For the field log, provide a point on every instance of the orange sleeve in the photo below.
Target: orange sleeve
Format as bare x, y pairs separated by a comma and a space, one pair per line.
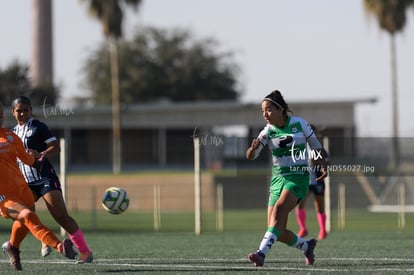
21, 152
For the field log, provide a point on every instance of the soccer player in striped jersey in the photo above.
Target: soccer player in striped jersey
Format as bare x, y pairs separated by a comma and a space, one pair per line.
37, 137
16, 199
288, 138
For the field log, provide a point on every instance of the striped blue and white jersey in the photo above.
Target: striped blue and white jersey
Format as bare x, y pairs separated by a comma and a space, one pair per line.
35, 135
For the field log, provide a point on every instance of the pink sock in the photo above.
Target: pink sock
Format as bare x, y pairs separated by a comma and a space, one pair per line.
301, 217
79, 241
322, 221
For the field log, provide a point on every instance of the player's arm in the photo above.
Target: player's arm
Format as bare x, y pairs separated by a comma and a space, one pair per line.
320, 154
52, 145
52, 150
319, 159
322, 164
24, 156
257, 145
251, 151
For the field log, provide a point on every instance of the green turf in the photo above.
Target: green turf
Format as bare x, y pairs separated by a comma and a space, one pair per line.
125, 244
225, 253
234, 221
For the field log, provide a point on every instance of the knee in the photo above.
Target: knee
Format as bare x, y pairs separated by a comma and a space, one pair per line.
24, 214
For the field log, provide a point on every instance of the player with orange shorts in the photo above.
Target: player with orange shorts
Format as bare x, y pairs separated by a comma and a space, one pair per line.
16, 199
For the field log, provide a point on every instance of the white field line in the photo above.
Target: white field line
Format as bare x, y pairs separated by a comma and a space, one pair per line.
229, 265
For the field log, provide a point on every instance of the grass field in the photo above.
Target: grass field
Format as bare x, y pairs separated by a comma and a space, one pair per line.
371, 244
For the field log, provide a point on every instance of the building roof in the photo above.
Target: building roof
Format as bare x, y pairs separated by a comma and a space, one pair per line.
329, 113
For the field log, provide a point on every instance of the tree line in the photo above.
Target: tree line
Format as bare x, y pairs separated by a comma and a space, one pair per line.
155, 64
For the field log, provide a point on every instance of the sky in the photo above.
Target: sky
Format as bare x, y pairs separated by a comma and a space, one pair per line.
320, 50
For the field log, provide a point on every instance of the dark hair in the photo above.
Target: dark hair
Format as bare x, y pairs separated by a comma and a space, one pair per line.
23, 100
276, 98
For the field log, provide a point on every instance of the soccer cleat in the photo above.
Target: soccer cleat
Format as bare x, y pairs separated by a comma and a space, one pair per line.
303, 233
309, 256
86, 258
67, 249
256, 258
14, 255
322, 235
46, 250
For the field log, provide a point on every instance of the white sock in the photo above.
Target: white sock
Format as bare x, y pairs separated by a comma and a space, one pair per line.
301, 244
267, 242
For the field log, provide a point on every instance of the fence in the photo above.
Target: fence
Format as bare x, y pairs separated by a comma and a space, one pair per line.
165, 198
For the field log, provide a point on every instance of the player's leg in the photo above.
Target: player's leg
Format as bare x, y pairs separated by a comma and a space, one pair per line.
44, 234
19, 230
18, 211
305, 246
268, 240
276, 231
18, 233
319, 204
40, 231
12, 247
295, 188
270, 237
57, 208
284, 205
36, 189
285, 194
300, 212
277, 212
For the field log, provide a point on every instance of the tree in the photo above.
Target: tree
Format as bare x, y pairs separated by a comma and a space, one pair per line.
15, 81
391, 16
160, 64
110, 15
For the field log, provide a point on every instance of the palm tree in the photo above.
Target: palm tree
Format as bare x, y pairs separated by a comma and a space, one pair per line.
110, 15
391, 16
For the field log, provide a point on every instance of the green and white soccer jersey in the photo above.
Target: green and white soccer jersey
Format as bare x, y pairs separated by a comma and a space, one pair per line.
291, 146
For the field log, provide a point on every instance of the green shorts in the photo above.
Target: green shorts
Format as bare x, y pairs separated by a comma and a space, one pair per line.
296, 184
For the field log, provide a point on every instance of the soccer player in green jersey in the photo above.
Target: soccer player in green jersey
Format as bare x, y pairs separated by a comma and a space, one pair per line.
292, 142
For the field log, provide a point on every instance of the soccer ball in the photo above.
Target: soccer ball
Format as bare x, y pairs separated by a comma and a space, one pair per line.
115, 200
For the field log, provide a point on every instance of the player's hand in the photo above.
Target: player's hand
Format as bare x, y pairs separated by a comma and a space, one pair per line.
250, 151
255, 143
324, 173
34, 153
38, 164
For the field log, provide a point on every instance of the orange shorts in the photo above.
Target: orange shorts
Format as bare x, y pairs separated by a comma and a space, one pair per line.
23, 196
